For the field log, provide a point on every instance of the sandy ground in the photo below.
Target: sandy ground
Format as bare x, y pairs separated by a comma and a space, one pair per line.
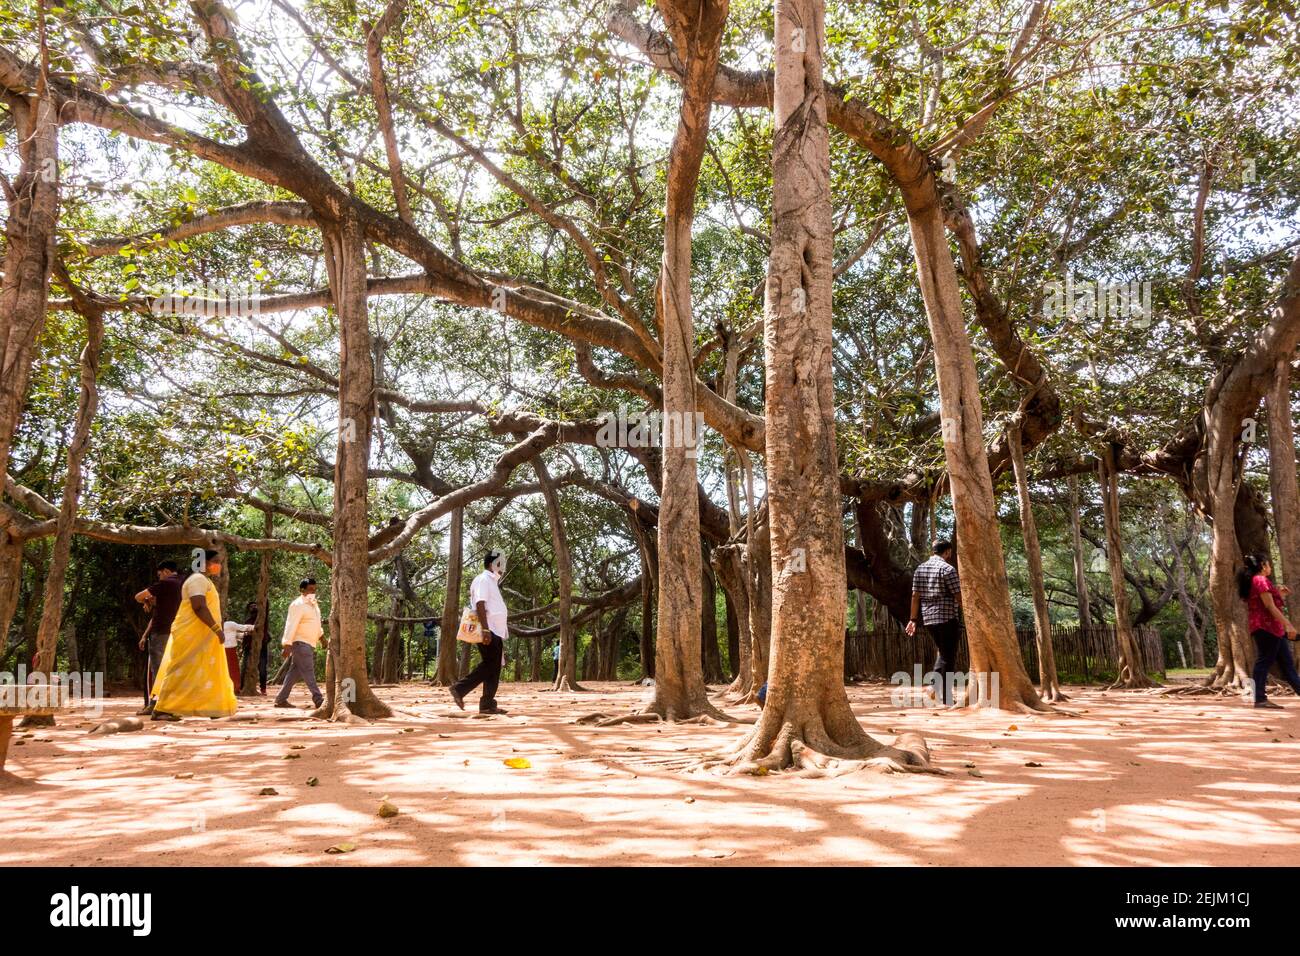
1132, 780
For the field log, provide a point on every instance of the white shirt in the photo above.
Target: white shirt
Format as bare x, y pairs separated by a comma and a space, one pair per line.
302, 623
484, 588
231, 631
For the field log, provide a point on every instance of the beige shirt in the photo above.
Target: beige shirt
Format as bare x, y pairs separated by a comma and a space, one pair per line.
302, 624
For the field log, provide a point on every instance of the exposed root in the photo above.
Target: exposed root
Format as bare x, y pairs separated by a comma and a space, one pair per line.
37, 720
605, 720
563, 685
343, 714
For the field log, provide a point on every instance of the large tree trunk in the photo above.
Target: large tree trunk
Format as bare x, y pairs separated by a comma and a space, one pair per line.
349, 692
1282, 476
756, 562
47, 635
986, 602
1132, 673
1048, 685
32, 220
806, 722
680, 693
567, 676
250, 685
728, 564
445, 676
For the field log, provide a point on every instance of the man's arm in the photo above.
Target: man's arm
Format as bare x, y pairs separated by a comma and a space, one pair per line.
481, 608
291, 623
915, 615
143, 596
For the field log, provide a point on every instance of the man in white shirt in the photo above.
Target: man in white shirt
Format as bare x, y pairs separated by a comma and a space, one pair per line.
485, 598
302, 632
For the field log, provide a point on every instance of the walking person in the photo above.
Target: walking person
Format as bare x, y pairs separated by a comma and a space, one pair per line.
192, 679
233, 631
1269, 627
936, 603
163, 599
302, 632
485, 598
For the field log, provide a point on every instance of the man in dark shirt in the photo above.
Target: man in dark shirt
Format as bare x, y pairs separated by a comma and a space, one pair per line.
165, 596
936, 603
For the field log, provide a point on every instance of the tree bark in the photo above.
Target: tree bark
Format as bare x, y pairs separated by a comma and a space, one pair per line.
1049, 687
349, 580
1282, 475
1132, 673
30, 230
807, 722
680, 691
1080, 560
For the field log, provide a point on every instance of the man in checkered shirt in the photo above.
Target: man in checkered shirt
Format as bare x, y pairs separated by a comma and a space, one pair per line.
936, 603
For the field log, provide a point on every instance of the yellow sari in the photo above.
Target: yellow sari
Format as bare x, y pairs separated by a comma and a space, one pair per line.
193, 679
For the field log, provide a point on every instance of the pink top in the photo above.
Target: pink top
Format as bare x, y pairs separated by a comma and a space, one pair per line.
1258, 615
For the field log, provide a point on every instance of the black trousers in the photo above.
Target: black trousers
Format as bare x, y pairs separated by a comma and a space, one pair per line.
1273, 648
488, 673
946, 637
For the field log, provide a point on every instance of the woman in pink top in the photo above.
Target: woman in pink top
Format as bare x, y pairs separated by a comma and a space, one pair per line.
1268, 625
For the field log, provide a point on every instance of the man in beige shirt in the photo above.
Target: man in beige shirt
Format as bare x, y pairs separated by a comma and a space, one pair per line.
302, 632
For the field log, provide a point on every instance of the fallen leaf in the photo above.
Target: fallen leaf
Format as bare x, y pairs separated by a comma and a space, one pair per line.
1033, 763
716, 854
518, 763
292, 756
975, 773
184, 776
387, 810
268, 792
690, 799
341, 848
968, 765
298, 747
1013, 727
312, 781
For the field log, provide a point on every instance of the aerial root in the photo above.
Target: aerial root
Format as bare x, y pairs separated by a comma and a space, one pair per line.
605, 720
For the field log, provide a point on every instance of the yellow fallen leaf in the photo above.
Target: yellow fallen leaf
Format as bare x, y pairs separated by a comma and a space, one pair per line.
1013, 727
518, 763
341, 848
387, 810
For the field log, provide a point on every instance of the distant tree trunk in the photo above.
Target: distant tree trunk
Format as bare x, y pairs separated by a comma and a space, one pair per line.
649, 575
728, 564
807, 721
251, 682
1192, 610
1048, 685
1080, 559
534, 659
446, 674
1282, 476
1132, 673
47, 635
74, 650
733, 635
710, 656
377, 659
567, 678
349, 693
757, 563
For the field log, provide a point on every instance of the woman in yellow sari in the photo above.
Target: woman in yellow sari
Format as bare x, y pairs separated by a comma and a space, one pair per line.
193, 679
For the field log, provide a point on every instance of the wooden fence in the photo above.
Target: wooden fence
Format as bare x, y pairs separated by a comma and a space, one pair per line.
1082, 653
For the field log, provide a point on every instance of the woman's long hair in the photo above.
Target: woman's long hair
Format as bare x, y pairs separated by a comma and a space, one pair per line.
1254, 563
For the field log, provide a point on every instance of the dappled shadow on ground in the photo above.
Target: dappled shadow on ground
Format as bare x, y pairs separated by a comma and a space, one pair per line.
1133, 779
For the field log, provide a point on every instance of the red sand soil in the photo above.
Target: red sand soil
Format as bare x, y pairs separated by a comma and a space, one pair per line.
1134, 779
